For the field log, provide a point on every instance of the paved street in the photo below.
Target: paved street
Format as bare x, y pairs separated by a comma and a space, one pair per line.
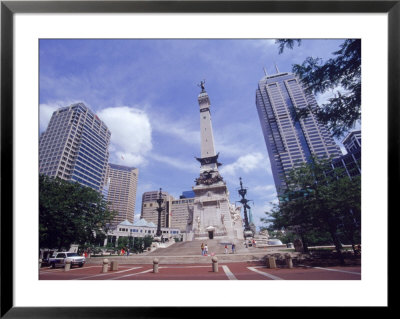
226, 271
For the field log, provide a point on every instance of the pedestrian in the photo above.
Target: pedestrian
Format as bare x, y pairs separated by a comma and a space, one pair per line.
205, 249
254, 243
202, 249
127, 252
226, 249
233, 248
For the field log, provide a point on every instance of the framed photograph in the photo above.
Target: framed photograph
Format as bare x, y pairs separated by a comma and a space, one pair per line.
36, 35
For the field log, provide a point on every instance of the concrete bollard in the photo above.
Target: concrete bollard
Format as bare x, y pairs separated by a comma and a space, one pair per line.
105, 265
271, 262
289, 261
155, 265
67, 266
114, 265
214, 264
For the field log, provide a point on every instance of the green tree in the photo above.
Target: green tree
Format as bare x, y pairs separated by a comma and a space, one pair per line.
344, 72
138, 244
123, 242
319, 200
70, 213
147, 240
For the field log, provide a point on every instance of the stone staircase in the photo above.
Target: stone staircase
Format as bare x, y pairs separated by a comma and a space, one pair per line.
216, 246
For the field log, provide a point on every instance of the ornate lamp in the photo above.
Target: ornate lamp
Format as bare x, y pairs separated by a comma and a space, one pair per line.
242, 192
159, 210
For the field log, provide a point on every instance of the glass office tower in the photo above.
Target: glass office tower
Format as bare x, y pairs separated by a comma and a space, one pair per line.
290, 141
75, 147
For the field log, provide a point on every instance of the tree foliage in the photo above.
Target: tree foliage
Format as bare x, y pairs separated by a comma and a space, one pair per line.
319, 200
70, 213
343, 72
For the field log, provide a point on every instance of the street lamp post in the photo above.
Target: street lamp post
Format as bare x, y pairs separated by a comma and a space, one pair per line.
242, 192
159, 210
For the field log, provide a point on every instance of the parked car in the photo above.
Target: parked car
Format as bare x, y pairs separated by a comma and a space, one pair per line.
58, 259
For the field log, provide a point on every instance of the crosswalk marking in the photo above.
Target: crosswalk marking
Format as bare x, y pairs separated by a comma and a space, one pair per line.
107, 273
228, 272
51, 270
337, 270
264, 274
135, 274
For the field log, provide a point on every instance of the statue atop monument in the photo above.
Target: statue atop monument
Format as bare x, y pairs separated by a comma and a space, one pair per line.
202, 86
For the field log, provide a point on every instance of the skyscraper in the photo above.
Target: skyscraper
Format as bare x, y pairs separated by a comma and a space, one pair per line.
290, 141
350, 162
75, 146
122, 191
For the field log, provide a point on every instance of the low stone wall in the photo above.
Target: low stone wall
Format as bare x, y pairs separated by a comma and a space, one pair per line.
222, 258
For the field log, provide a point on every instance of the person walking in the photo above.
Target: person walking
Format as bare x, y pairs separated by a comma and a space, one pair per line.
233, 248
202, 249
205, 249
226, 249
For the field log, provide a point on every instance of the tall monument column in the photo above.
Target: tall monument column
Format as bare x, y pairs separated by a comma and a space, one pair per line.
206, 133
214, 217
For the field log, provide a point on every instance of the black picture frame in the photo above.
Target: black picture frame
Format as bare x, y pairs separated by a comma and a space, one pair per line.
9, 8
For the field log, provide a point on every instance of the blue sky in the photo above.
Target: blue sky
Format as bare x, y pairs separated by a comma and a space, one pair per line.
146, 92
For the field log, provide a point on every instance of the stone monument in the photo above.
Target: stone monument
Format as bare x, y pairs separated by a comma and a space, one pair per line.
214, 217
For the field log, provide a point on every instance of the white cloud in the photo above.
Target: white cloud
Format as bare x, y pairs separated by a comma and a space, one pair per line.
322, 98
46, 111
181, 129
130, 134
262, 44
246, 164
175, 162
263, 189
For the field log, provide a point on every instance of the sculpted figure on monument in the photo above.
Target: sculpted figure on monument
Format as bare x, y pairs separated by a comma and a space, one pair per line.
207, 178
235, 213
190, 217
198, 222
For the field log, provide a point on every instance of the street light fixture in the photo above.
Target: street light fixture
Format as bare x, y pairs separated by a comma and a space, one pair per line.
159, 210
242, 192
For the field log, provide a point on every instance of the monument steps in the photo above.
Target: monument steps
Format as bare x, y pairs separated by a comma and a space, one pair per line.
193, 248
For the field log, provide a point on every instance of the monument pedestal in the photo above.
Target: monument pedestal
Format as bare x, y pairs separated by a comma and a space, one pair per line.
214, 217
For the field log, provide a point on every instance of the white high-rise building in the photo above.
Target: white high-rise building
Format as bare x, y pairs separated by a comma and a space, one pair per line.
122, 186
75, 147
